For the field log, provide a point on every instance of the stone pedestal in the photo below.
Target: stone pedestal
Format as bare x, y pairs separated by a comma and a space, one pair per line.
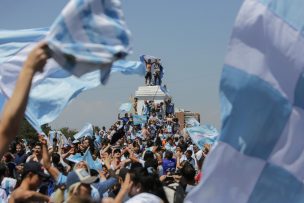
149, 93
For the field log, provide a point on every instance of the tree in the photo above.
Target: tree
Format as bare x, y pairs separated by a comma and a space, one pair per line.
68, 132
28, 132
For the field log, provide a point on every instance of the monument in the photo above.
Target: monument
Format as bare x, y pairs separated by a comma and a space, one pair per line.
154, 93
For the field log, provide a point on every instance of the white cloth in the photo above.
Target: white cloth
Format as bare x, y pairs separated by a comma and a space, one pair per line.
145, 198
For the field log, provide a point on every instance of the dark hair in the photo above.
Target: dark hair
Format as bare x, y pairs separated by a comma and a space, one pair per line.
149, 143
188, 172
116, 150
55, 158
151, 163
149, 183
189, 152
148, 155
3, 169
135, 165
38, 144
169, 154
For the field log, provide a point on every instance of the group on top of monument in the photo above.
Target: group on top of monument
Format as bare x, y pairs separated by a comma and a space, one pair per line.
153, 67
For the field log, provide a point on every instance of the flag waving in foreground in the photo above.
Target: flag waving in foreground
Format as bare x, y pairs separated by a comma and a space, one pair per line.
54, 89
259, 156
89, 35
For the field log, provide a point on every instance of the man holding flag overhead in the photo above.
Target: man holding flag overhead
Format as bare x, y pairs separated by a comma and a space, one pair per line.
14, 109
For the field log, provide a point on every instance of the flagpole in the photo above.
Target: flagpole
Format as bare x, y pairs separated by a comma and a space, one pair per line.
156, 92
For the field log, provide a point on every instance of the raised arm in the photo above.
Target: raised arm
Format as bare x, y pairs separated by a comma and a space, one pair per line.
14, 108
53, 171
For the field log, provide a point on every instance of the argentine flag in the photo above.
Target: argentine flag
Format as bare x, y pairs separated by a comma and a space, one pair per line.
259, 155
125, 108
86, 130
76, 48
202, 135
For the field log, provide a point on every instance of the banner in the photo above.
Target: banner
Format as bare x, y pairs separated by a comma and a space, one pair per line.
139, 119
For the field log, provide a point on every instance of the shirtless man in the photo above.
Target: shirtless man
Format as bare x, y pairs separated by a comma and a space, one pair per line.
148, 75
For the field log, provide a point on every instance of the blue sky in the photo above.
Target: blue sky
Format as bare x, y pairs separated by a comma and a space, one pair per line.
191, 37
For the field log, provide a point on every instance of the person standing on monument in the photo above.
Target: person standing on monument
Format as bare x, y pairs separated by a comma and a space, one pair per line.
157, 78
148, 75
135, 105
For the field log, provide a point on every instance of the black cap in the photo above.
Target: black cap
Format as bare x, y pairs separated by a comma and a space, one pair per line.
34, 167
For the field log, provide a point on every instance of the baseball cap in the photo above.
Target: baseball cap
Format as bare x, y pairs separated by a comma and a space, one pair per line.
34, 167
80, 175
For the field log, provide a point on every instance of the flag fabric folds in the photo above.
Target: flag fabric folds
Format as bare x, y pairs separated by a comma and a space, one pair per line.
202, 135
75, 158
125, 108
192, 122
139, 119
87, 130
53, 89
87, 157
259, 155
144, 58
89, 35
85, 39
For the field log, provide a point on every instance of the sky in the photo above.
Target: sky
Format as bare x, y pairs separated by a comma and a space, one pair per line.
190, 37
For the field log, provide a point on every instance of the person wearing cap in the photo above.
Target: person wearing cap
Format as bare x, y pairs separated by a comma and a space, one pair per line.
78, 183
14, 108
31, 179
97, 189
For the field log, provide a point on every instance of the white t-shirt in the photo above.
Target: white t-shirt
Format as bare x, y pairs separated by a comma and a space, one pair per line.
145, 198
3, 196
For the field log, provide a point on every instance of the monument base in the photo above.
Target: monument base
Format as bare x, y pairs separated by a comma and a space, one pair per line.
148, 93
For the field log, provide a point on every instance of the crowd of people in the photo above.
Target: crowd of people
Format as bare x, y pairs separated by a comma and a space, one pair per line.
154, 161
151, 162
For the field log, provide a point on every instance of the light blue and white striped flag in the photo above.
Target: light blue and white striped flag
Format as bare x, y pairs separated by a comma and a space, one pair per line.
200, 135
87, 157
86, 131
63, 139
54, 89
75, 158
145, 58
192, 122
89, 35
125, 108
139, 119
259, 156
